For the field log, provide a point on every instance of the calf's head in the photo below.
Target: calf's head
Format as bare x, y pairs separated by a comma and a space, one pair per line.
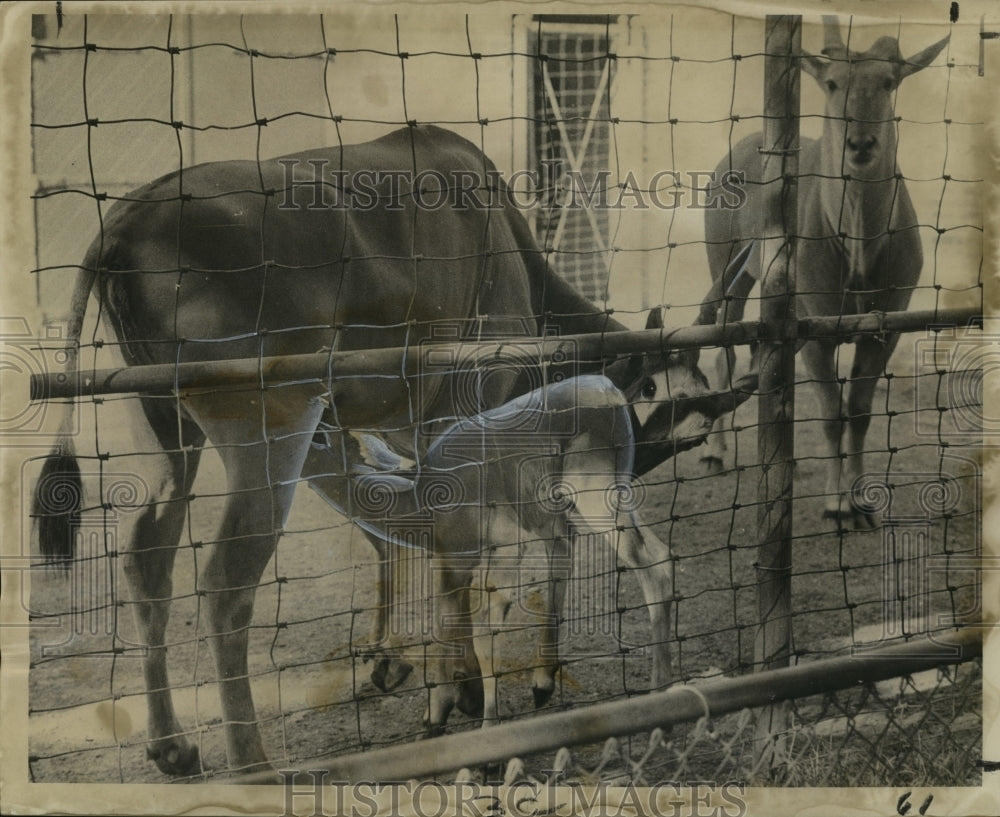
671, 405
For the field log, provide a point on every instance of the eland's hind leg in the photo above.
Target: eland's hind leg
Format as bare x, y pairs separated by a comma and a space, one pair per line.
263, 456
148, 562
390, 669
452, 669
543, 678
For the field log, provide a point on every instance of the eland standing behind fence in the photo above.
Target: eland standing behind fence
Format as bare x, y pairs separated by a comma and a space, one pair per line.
858, 247
222, 261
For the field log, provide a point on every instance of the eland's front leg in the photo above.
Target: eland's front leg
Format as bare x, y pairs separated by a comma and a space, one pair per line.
713, 457
452, 671
330, 468
489, 607
640, 549
725, 304
870, 358
820, 360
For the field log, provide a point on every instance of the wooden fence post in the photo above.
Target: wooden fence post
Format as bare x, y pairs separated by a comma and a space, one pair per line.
776, 358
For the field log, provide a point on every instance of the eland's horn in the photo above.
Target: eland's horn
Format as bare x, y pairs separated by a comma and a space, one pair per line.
832, 41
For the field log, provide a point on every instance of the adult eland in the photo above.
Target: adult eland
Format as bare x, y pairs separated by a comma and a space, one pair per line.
230, 260
858, 244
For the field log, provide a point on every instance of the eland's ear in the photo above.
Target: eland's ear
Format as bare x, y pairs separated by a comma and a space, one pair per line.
655, 319
833, 40
923, 59
738, 281
812, 65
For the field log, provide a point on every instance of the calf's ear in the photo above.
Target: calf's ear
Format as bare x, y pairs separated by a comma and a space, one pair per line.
655, 319
633, 371
689, 359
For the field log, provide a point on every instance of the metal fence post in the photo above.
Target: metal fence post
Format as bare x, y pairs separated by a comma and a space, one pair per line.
776, 358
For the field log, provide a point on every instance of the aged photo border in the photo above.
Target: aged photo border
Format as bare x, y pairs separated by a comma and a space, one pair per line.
17, 232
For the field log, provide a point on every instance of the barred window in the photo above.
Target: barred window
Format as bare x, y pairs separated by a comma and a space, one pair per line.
571, 144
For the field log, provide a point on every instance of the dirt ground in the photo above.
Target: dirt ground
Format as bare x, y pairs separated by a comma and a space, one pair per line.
313, 692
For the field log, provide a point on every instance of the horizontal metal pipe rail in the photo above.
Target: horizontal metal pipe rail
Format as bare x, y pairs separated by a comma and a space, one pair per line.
679, 704
321, 367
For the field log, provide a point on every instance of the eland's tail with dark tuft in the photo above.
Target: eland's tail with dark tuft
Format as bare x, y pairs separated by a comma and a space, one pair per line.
56, 505
58, 497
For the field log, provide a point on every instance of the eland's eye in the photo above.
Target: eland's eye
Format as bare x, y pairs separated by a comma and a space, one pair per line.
649, 389
831, 85
887, 84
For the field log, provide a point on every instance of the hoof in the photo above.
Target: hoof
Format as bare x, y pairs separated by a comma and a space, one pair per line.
177, 760
433, 730
471, 777
864, 519
854, 519
470, 695
542, 695
438, 709
711, 465
839, 518
434, 726
389, 673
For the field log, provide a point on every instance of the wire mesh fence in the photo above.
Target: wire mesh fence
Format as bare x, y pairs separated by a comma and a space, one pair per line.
859, 737
607, 141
